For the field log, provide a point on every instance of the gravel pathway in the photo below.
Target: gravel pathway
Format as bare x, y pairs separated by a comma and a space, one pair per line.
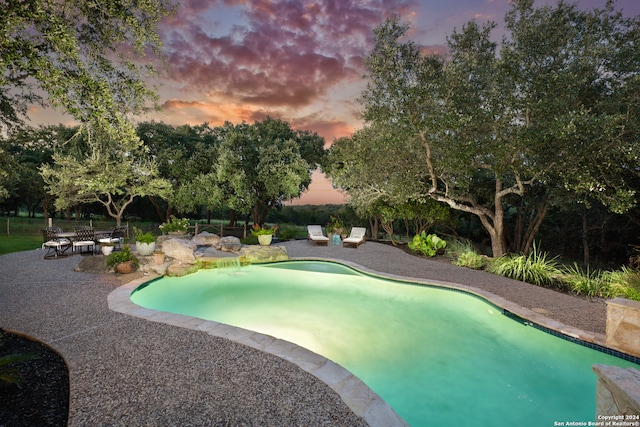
129, 371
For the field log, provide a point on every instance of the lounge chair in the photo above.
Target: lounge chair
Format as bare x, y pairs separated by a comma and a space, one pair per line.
356, 238
315, 235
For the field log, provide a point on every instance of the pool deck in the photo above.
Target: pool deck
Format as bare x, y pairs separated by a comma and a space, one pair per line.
149, 368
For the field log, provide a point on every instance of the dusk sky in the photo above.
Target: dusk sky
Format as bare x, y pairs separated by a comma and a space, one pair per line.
300, 61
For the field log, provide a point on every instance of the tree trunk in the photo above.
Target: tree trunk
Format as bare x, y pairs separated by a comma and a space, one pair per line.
536, 212
373, 223
163, 216
45, 210
535, 224
585, 240
233, 218
388, 227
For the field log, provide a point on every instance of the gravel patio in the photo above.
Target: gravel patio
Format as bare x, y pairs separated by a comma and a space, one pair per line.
129, 371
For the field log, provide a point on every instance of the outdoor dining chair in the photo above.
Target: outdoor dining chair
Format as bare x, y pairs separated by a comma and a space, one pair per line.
56, 246
117, 237
84, 239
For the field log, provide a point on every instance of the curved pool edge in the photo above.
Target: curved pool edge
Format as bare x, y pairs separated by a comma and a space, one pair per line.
503, 303
363, 401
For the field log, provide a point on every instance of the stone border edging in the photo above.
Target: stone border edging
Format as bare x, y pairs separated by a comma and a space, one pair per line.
363, 401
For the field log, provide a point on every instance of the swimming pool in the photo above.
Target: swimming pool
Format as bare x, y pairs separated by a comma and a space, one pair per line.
437, 356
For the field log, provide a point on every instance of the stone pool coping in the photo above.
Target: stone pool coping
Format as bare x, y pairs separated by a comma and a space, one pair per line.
363, 401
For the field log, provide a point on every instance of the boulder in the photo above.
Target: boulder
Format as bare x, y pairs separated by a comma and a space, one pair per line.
181, 250
229, 244
179, 269
206, 239
148, 265
256, 254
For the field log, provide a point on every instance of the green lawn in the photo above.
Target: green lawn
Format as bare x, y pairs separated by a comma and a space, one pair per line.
19, 242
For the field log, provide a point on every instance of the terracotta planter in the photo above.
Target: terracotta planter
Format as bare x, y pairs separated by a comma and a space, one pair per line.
125, 267
158, 258
145, 249
265, 239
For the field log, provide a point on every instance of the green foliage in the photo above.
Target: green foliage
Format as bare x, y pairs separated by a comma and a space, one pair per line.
478, 128
143, 237
174, 224
257, 230
291, 232
124, 255
9, 374
335, 225
535, 268
427, 244
623, 283
590, 283
84, 55
112, 173
262, 165
470, 260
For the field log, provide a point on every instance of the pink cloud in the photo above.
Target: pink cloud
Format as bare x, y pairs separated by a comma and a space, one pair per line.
282, 54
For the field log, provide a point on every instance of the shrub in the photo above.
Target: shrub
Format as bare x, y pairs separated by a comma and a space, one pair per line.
534, 268
124, 255
174, 225
258, 230
623, 283
470, 259
428, 244
143, 237
464, 254
288, 232
591, 283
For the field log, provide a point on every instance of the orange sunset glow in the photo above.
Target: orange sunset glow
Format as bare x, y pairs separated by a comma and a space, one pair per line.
299, 61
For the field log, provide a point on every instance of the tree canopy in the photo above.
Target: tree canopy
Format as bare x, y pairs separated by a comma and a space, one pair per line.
86, 57
260, 166
552, 107
103, 172
91, 59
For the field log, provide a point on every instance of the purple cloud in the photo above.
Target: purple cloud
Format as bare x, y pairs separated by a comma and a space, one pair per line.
280, 54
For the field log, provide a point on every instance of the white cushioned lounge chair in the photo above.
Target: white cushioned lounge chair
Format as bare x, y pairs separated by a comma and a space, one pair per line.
356, 238
315, 235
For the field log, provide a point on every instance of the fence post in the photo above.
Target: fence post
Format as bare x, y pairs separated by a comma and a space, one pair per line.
8, 228
196, 228
245, 231
221, 229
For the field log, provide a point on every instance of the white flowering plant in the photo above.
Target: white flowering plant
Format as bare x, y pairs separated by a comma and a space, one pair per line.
175, 224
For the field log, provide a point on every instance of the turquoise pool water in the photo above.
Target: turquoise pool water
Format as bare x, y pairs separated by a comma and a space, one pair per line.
438, 357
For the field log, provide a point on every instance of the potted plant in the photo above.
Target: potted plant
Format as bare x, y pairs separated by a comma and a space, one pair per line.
175, 226
145, 242
123, 262
106, 248
158, 257
264, 235
335, 227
